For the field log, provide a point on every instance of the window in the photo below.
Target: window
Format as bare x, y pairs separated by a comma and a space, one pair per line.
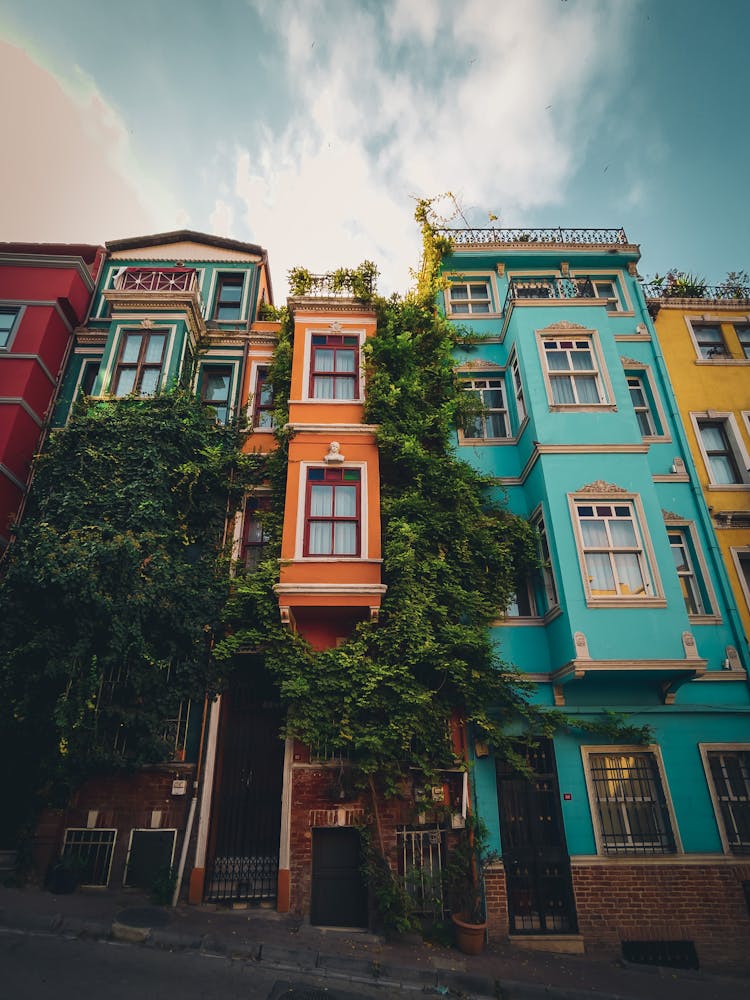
89, 371
255, 535
332, 512
493, 422
628, 803
523, 602
262, 400
720, 454
470, 297
709, 341
641, 406
92, 850
606, 288
683, 561
741, 559
613, 553
545, 558
229, 297
729, 771
743, 335
139, 367
334, 367
518, 390
216, 385
572, 371
8, 320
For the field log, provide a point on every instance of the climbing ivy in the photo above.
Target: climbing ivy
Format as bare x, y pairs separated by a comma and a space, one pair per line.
114, 587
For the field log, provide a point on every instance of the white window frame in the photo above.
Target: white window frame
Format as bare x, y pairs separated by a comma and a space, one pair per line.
705, 750
722, 321
299, 541
324, 331
744, 348
515, 375
623, 304
734, 442
17, 311
148, 829
739, 553
547, 571
654, 595
216, 362
598, 372
213, 291
471, 384
617, 750
472, 278
699, 572
92, 830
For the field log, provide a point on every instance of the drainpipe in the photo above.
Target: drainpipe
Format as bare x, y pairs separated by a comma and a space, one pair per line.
717, 558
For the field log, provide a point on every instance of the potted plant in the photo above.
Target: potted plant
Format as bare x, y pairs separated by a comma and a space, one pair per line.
463, 880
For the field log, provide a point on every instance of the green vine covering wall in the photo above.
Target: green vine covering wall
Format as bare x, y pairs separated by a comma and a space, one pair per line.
112, 591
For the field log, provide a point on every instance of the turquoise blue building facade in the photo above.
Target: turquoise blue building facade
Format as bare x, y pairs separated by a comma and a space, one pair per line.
616, 842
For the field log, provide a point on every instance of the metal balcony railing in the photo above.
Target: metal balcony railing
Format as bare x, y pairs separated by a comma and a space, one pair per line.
157, 279
729, 292
549, 288
576, 237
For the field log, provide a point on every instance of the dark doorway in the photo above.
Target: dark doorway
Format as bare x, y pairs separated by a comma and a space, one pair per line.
243, 861
537, 867
339, 893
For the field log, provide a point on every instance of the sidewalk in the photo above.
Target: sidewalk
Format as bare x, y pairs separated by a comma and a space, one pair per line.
282, 941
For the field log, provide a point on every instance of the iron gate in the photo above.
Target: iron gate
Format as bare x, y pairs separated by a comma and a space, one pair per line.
246, 823
537, 867
421, 853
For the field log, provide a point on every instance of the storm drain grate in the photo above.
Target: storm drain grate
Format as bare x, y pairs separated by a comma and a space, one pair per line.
675, 954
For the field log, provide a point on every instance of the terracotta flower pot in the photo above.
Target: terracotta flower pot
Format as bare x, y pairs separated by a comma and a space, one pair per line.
469, 937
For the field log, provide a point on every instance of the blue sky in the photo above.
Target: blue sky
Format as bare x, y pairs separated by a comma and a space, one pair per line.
309, 126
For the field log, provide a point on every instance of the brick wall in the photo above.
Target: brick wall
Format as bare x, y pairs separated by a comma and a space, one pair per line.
496, 902
703, 904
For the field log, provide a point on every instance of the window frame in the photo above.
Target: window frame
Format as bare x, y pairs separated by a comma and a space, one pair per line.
654, 594
710, 350
16, 312
331, 476
735, 448
259, 408
546, 571
740, 554
228, 370
468, 385
698, 568
739, 330
468, 278
307, 382
598, 372
140, 365
667, 808
229, 279
515, 376
259, 503
706, 750
93, 830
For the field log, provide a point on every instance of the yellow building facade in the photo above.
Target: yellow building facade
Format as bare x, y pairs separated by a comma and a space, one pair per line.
706, 345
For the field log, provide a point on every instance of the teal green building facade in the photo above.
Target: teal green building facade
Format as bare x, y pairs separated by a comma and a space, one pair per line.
615, 842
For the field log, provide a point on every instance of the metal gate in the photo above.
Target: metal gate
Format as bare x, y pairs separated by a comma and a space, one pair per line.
421, 852
537, 866
243, 860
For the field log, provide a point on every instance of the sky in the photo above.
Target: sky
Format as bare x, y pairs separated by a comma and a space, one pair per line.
311, 126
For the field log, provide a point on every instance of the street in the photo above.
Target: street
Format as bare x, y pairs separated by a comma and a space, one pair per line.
44, 967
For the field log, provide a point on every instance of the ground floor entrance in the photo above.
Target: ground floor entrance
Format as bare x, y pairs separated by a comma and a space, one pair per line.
339, 893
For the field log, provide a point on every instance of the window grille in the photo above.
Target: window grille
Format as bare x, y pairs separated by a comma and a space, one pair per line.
421, 852
730, 772
631, 807
92, 850
176, 731
329, 753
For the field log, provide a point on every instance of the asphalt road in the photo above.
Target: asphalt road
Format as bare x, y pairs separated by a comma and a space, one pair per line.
45, 967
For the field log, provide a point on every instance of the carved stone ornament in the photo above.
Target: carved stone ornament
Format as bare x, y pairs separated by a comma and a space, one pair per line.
632, 268
631, 362
147, 324
601, 487
669, 515
641, 329
335, 327
678, 466
334, 455
582, 646
732, 661
565, 268
500, 269
689, 647
563, 324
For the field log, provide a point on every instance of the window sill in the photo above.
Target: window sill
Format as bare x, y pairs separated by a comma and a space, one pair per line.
472, 316
582, 407
625, 602
480, 442
329, 559
730, 362
730, 487
705, 619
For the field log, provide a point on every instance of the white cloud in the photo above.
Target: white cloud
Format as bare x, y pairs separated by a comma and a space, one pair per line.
493, 102
68, 172
222, 218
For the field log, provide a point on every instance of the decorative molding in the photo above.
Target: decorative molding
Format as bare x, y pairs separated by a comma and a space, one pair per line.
475, 365
689, 646
599, 486
731, 518
632, 363
582, 646
632, 269
559, 695
565, 268
563, 324
670, 516
327, 428
366, 589
732, 661
336, 327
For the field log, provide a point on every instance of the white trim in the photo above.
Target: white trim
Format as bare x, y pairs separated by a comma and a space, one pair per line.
467, 278
19, 308
299, 540
604, 386
736, 552
705, 749
310, 332
285, 834
710, 614
148, 829
209, 767
643, 371
615, 749
330, 588
734, 440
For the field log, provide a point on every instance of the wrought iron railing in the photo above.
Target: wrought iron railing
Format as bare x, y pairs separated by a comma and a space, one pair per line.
734, 293
587, 237
331, 286
549, 288
157, 279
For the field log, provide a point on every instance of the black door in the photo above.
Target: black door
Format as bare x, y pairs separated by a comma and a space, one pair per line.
339, 894
537, 867
246, 822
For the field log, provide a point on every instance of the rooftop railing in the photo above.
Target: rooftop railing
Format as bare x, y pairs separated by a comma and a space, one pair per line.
157, 279
730, 293
578, 237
